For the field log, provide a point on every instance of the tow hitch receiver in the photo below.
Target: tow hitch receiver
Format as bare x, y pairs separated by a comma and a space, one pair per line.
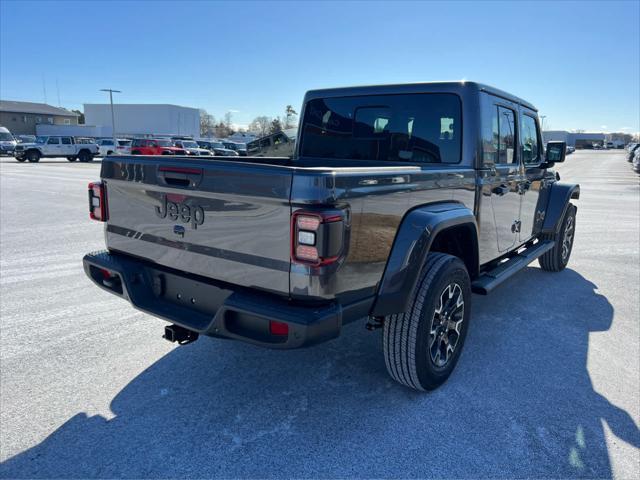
175, 333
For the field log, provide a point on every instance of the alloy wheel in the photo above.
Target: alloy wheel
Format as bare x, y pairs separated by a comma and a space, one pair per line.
446, 325
567, 239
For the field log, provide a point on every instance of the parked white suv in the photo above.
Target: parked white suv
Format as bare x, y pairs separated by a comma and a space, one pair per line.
106, 147
55, 146
192, 147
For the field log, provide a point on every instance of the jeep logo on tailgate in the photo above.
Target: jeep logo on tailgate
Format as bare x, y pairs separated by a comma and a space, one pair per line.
180, 211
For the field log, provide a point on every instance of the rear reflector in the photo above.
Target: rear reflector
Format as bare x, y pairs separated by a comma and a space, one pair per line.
278, 328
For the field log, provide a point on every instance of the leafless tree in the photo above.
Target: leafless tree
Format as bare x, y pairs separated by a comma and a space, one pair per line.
261, 125
207, 123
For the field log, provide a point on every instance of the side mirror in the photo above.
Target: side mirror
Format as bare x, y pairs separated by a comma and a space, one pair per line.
555, 153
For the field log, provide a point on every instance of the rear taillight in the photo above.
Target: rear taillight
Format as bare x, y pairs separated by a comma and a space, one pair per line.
317, 238
97, 201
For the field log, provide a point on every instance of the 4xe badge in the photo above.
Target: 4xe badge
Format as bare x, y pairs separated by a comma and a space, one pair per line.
193, 215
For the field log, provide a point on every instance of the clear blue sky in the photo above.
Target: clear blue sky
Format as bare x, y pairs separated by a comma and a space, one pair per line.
578, 62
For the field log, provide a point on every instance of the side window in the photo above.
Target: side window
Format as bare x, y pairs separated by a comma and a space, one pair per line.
498, 135
506, 135
529, 140
66, 141
53, 141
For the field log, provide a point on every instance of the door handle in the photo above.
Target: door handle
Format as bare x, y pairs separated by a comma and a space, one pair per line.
180, 177
501, 190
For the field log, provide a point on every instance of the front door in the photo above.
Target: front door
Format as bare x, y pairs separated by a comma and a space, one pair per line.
52, 148
530, 187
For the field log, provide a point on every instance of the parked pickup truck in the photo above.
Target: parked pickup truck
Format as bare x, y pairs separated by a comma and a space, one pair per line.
55, 146
400, 202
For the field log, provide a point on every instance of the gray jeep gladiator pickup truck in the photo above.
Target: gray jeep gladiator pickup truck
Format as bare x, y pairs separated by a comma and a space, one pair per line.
401, 200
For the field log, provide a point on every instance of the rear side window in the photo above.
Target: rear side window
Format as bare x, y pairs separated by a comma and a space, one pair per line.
53, 141
421, 128
66, 141
499, 134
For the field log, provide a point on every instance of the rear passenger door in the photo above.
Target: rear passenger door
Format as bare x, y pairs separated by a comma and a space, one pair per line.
67, 148
503, 175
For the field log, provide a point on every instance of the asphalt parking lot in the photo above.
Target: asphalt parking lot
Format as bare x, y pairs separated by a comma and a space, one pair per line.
548, 384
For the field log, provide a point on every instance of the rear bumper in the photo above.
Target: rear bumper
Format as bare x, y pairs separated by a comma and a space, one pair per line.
212, 309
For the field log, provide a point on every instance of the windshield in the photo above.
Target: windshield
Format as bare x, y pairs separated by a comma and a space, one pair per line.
164, 143
424, 128
41, 139
124, 143
229, 145
6, 137
189, 144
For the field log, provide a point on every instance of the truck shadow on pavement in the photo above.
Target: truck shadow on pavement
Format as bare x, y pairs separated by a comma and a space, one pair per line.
520, 404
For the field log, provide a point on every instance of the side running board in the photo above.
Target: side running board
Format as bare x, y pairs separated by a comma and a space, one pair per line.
491, 279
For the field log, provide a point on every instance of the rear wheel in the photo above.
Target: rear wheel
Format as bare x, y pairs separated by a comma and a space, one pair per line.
84, 156
556, 259
33, 156
423, 345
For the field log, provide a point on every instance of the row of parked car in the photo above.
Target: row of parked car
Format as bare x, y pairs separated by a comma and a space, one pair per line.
633, 156
32, 148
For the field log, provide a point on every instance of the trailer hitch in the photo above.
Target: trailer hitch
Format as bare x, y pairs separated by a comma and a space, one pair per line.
181, 335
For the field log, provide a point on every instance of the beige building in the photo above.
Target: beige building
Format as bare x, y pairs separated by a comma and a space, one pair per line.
21, 118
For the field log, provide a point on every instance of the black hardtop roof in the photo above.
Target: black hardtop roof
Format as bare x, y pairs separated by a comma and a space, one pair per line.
459, 86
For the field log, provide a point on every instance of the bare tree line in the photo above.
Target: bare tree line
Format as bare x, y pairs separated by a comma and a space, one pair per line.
261, 125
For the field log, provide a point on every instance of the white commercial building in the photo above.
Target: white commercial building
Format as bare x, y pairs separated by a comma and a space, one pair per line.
145, 119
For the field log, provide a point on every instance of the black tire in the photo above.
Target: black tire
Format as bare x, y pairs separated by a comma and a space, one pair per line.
33, 156
20, 159
412, 340
72, 159
135, 152
110, 152
85, 156
556, 259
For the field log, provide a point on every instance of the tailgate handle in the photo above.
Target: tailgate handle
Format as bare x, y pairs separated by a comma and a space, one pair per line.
179, 176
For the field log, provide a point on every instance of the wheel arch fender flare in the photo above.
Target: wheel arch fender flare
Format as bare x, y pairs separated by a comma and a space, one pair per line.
559, 198
414, 239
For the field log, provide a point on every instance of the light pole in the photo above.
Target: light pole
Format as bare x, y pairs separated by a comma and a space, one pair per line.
113, 118
542, 117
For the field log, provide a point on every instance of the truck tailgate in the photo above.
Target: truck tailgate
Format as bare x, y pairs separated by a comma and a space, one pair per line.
224, 220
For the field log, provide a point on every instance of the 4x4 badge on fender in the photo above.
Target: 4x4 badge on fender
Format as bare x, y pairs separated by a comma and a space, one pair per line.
194, 215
